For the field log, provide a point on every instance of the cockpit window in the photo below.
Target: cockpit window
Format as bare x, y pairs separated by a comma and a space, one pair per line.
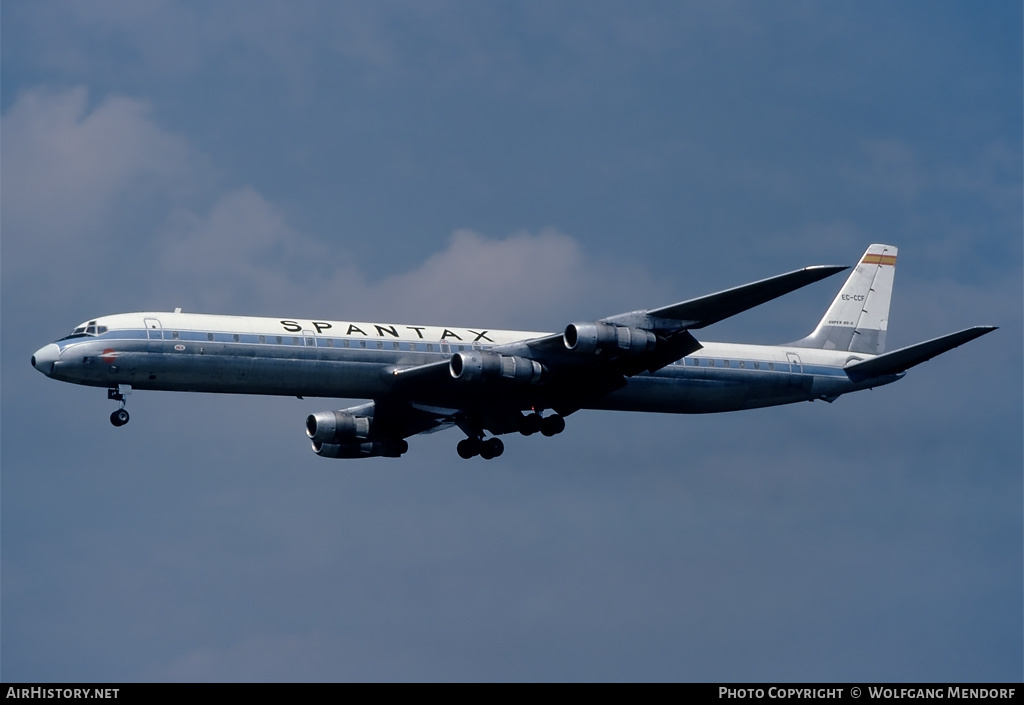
86, 329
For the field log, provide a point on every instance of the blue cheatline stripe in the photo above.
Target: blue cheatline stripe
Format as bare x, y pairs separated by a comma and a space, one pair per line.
227, 338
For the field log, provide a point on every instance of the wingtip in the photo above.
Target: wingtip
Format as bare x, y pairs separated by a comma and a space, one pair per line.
975, 332
827, 270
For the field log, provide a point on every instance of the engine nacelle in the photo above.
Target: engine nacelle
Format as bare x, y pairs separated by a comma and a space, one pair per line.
588, 338
481, 365
375, 449
337, 427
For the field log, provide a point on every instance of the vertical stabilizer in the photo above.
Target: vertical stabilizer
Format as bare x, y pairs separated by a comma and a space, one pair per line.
859, 315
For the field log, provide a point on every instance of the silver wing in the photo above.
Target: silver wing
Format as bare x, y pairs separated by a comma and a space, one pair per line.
489, 389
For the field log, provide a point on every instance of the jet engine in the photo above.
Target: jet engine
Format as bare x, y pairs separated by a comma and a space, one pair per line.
332, 427
588, 338
386, 449
347, 434
480, 365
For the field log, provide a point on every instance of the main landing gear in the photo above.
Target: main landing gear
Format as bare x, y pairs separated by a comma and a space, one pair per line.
476, 445
119, 417
489, 448
547, 425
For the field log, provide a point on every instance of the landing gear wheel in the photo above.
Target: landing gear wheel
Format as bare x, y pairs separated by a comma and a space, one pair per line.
552, 425
119, 417
530, 424
396, 449
491, 448
468, 447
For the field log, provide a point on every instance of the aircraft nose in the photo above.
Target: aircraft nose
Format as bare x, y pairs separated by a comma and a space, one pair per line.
45, 357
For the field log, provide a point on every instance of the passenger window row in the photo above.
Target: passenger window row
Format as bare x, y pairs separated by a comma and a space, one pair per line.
309, 342
740, 364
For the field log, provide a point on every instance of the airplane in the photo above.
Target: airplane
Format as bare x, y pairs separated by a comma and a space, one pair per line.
421, 379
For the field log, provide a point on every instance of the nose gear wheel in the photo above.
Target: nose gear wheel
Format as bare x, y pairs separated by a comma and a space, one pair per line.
119, 417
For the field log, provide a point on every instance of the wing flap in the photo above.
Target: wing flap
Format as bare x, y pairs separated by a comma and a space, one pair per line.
405, 420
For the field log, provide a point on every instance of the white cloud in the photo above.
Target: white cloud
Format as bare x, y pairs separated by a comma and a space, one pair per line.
243, 257
67, 165
103, 188
522, 279
73, 173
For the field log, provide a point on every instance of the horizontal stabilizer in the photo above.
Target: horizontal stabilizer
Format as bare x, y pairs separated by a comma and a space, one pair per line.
897, 361
703, 311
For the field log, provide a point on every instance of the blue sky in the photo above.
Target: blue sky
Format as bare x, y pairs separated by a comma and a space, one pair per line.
513, 165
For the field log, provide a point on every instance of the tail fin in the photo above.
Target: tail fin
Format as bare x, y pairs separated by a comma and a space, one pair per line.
859, 315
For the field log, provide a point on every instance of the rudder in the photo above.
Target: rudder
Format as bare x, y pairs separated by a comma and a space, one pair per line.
859, 316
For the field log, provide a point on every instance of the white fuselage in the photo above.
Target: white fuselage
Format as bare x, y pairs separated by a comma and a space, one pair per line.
303, 357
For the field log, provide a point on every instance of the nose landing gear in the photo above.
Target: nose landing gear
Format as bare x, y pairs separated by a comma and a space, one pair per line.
119, 417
